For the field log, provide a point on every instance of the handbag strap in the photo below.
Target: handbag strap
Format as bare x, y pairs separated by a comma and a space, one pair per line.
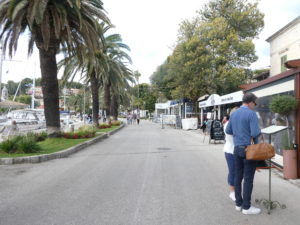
262, 137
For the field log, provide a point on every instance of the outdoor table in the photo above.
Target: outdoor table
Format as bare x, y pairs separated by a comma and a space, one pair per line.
268, 203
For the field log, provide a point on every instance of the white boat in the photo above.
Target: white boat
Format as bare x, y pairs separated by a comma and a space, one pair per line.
25, 117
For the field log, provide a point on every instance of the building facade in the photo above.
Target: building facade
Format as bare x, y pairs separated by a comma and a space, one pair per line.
284, 46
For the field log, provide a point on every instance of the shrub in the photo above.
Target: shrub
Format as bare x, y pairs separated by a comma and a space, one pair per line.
116, 123
28, 144
83, 132
87, 128
55, 135
8, 146
283, 104
68, 134
103, 126
38, 136
41, 136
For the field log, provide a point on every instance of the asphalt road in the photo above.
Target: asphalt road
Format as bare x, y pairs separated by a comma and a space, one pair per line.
142, 175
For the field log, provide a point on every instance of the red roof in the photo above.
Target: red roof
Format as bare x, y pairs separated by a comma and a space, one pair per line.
295, 63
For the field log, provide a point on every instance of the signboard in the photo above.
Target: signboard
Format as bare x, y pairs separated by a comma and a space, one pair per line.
217, 132
161, 106
189, 107
178, 122
169, 119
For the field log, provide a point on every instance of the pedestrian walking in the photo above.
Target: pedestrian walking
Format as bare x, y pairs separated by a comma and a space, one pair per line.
138, 118
134, 118
228, 150
243, 125
203, 126
128, 118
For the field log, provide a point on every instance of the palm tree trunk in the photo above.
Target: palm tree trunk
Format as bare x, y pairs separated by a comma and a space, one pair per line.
107, 100
114, 107
95, 97
50, 88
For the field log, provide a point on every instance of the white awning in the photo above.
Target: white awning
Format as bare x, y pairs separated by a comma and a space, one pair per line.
232, 97
162, 105
215, 99
202, 98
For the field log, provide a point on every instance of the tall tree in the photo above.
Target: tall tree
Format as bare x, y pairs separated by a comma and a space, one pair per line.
104, 68
214, 50
146, 98
163, 82
51, 24
117, 77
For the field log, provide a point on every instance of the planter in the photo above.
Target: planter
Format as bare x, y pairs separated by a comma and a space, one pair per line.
289, 164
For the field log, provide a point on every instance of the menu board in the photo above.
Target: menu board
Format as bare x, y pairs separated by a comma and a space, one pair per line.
217, 132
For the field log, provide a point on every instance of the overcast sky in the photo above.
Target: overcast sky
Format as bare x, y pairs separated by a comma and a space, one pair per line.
150, 29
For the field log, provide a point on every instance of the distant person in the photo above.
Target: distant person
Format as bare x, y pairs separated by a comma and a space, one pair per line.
228, 150
134, 118
90, 118
138, 118
203, 126
13, 129
243, 125
129, 118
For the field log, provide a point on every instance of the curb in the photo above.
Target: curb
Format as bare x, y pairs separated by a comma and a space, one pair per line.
57, 155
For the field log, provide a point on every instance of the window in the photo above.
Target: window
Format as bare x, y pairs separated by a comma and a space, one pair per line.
283, 60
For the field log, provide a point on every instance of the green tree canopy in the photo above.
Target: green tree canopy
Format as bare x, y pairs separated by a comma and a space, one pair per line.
213, 50
144, 97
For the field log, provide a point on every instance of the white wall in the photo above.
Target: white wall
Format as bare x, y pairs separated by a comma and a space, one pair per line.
286, 43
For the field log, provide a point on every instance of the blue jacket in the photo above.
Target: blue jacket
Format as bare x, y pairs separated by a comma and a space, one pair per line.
243, 125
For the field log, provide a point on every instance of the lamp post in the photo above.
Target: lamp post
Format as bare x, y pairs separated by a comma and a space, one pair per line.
33, 85
1, 64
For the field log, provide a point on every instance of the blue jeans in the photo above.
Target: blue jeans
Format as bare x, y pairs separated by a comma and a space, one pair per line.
231, 171
244, 169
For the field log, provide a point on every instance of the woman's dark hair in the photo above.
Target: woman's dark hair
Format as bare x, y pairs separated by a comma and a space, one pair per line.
227, 117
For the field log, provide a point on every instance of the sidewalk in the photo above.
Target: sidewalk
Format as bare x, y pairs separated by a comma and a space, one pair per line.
275, 172
284, 192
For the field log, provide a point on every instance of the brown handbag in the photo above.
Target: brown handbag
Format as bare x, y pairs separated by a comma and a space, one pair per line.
261, 151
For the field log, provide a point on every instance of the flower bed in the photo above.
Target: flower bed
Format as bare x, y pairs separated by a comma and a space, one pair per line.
82, 132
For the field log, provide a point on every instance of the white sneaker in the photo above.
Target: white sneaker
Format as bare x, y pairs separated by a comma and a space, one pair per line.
238, 208
252, 210
232, 196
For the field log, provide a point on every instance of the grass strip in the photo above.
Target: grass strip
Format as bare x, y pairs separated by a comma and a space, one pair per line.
105, 130
51, 145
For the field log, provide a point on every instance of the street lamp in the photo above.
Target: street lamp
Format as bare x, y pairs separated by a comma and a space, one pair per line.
1, 64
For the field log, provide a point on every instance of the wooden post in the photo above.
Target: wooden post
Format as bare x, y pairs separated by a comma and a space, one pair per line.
297, 128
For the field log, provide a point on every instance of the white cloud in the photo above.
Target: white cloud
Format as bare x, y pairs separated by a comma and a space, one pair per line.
150, 28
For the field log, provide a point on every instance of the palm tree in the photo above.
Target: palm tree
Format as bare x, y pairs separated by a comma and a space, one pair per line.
90, 67
51, 24
116, 79
121, 91
104, 67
